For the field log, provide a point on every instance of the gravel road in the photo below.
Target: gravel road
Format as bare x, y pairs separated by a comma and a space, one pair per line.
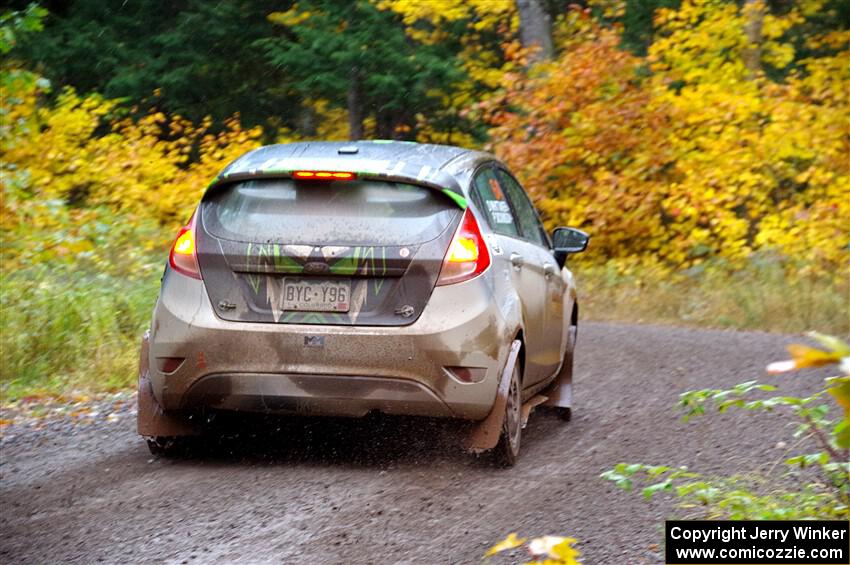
395, 491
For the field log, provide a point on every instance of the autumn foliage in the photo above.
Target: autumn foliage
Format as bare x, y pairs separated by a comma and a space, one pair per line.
685, 155
77, 163
681, 156
712, 149
90, 202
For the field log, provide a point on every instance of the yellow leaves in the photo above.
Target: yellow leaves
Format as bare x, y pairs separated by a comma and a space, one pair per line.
140, 169
837, 39
757, 137
290, 18
547, 550
703, 38
720, 166
435, 11
610, 9
484, 63
555, 549
805, 356
835, 351
810, 8
480, 15
705, 41
510, 542
438, 12
778, 55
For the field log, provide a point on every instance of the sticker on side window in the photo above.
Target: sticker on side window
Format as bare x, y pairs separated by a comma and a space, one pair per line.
496, 189
499, 211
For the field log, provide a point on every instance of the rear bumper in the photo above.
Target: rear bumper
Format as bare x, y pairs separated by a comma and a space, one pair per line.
330, 370
326, 395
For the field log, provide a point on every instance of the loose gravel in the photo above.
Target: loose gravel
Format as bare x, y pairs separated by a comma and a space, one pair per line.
77, 484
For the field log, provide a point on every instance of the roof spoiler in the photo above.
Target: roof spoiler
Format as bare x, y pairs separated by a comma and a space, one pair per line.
246, 168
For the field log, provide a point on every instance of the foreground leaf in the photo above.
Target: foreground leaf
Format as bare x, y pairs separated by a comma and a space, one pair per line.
510, 542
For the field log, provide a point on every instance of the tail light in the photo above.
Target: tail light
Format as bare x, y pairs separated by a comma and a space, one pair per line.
184, 256
467, 256
324, 175
169, 365
467, 374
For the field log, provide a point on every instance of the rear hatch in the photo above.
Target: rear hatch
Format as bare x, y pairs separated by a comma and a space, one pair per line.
358, 252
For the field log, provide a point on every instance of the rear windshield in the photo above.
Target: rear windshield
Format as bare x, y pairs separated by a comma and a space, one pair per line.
324, 213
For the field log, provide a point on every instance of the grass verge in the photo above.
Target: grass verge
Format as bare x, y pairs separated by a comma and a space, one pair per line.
761, 296
63, 330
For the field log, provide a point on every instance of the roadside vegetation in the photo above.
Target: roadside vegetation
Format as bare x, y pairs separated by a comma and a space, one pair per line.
703, 144
762, 294
815, 483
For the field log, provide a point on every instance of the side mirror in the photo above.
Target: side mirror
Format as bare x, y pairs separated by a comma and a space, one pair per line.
566, 241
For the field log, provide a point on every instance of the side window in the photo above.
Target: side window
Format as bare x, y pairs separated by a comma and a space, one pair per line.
492, 200
529, 223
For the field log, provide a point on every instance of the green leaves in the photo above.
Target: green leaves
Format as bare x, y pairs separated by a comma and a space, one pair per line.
841, 433
744, 498
14, 24
826, 495
358, 56
807, 460
622, 474
694, 401
192, 57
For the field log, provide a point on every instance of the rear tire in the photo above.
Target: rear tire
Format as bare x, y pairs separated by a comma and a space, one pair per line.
168, 446
506, 452
564, 413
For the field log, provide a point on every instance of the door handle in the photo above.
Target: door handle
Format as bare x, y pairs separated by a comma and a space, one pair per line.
517, 260
548, 270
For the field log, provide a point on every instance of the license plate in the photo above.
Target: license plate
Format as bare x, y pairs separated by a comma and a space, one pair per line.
316, 295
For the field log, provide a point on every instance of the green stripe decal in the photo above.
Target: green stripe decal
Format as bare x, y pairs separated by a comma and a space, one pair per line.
458, 199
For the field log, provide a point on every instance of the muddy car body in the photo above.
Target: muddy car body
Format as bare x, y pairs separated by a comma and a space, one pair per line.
343, 278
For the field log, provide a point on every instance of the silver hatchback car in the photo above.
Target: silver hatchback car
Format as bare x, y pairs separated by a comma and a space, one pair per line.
337, 279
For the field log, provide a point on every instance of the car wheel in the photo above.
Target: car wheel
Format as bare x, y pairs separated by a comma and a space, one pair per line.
506, 451
167, 446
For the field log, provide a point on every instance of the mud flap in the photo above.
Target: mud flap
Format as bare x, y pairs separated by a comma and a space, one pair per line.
151, 420
560, 392
485, 434
529, 407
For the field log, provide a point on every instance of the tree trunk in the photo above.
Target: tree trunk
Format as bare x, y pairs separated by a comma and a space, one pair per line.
754, 12
307, 121
355, 106
384, 125
535, 28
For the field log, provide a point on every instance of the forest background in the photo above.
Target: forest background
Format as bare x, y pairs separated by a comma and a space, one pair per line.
704, 144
